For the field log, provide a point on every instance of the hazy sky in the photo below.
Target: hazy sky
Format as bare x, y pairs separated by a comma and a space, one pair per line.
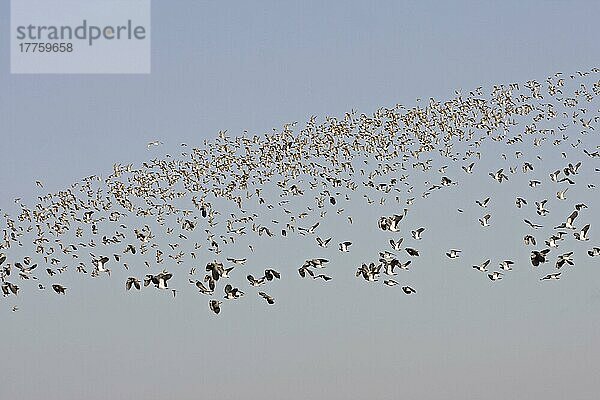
254, 66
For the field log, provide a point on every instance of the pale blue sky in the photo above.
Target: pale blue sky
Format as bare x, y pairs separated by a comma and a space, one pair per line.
254, 66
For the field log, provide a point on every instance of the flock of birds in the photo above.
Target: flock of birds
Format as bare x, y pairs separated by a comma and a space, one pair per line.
200, 215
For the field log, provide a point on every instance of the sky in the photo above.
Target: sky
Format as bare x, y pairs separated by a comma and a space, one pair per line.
240, 66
